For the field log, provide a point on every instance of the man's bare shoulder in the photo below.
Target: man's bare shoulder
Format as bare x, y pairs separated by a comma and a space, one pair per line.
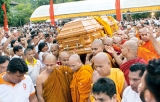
43, 76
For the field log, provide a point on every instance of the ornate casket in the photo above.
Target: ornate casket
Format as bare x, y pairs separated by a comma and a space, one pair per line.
77, 36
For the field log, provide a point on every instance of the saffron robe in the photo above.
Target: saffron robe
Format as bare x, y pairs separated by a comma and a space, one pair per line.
56, 87
125, 67
118, 77
146, 54
81, 84
148, 45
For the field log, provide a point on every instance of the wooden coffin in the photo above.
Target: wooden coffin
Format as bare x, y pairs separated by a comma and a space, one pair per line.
77, 36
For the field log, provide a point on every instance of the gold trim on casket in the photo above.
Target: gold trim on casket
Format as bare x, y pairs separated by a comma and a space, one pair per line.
78, 35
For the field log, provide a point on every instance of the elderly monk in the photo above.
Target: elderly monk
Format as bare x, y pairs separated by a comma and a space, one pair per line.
53, 84
150, 43
64, 58
97, 46
102, 67
143, 52
82, 79
129, 52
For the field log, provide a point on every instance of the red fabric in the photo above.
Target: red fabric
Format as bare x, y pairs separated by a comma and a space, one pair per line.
117, 49
5, 17
123, 41
51, 12
118, 10
125, 67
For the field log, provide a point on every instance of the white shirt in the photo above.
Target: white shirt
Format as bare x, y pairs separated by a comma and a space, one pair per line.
16, 56
19, 92
40, 56
34, 71
130, 96
4, 39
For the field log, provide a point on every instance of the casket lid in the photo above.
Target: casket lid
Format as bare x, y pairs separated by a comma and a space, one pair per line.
79, 27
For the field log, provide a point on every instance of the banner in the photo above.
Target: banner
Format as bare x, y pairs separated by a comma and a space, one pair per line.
118, 10
51, 12
5, 17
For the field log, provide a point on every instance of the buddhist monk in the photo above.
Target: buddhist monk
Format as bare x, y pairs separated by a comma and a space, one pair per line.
108, 41
129, 52
64, 58
82, 79
54, 49
117, 42
53, 84
97, 46
102, 67
143, 52
149, 41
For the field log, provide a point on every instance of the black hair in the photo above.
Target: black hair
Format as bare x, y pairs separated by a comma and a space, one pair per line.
17, 64
152, 78
3, 59
138, 67
104, 85
19, 38
41, 46
30, 47
17, 48
55, 41
32, 36
29, 41
12, 42
25, 51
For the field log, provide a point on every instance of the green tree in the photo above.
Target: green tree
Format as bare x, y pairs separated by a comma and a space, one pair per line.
22, 13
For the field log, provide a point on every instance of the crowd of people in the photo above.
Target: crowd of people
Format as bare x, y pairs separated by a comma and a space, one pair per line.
124, 67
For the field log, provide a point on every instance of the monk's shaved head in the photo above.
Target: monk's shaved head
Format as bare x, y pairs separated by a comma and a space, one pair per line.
97, 46
102, 64
131, 44
50, 58
50, 62
117, 41
64, 58
98, 42
44, 55
55, 49
108, 41
75, 62
96, 76
75, 57
64, 54
144, 34
55, 46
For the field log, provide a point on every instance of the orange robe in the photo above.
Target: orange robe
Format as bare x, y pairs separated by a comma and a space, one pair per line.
118, 77
113, 64
145, 54
125, 67
149, 46
56, 87
81, 84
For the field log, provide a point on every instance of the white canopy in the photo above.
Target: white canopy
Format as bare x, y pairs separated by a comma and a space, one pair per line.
93, 7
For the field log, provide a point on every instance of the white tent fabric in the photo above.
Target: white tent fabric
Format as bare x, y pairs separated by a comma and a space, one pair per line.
90, 6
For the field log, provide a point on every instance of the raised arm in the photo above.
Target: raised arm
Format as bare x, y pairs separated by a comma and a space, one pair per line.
116, 57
